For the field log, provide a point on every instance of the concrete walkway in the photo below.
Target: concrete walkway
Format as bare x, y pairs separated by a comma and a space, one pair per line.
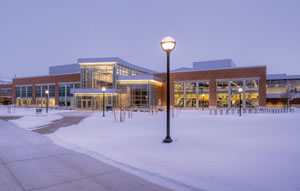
29, 161
57, 124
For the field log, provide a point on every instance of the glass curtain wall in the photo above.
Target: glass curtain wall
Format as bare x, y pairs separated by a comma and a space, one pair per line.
24, 95
191, 97
277, 86
191, 94
251, 93
203, 94
222, 93
179, 94
65, 97
41, 96
235, 95
94, 101
98, 75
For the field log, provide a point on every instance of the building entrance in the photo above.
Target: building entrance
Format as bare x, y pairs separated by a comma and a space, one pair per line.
86, 104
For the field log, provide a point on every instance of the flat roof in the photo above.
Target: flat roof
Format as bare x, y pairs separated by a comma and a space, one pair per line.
118, 60
282, 77
195, 70
140, 77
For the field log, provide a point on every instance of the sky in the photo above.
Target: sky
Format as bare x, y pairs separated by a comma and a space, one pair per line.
36, 34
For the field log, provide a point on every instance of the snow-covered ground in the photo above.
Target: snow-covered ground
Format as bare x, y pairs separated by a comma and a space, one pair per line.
228, 153
35, 121
22, 111
29, 118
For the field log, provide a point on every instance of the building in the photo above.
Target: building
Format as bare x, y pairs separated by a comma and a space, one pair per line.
283, 90
208, 84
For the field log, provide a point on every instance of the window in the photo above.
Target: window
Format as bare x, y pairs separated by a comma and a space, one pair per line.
6, 91
29, 91
51, 90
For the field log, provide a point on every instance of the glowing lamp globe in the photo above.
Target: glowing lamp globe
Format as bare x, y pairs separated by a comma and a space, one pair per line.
103, 89
240, 90
168, 44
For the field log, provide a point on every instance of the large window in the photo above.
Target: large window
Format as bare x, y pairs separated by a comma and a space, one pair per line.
6, 91
222, 94
203, 94
38, 90
29, 91
251, 93
191, 97
97, 75
62, 94
51, 90
179, 94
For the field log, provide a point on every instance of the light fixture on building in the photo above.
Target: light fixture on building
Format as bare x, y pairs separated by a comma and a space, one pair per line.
168, 44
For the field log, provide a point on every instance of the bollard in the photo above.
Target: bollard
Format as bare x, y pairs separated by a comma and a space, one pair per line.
216, 112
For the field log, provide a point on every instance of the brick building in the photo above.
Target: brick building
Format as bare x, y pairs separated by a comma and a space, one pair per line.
206, 84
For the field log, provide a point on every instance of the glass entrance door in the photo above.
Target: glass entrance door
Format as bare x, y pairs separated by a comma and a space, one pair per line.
86, 104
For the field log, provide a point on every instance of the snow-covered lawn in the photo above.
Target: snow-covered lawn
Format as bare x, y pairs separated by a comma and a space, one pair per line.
228, 153
22, 111
34, 121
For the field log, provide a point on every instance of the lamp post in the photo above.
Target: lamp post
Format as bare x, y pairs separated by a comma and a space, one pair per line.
47, 104
103, 91
240, 90
168, 44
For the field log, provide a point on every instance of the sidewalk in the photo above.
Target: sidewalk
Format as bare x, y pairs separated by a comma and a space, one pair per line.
29, 161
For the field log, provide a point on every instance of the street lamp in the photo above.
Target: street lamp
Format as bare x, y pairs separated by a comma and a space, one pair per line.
168, 44
103, 91
47, 104
240, 90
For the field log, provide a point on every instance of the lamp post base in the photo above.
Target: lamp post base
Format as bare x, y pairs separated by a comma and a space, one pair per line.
168, 140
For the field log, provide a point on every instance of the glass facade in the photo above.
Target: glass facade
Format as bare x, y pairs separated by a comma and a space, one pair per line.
228, 95
203, 94
24, 95
65, 97
97, 75
41, 96
179, 94
191, 94
139, 93
251, 93
95, 101
222, 93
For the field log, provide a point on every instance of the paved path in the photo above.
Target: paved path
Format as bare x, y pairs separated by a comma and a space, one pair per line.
29, 161
56, 124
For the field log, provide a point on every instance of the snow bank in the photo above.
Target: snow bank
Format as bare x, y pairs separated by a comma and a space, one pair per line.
34, 121
229, 153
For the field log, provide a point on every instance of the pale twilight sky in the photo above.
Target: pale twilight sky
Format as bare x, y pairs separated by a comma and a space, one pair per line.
36, 34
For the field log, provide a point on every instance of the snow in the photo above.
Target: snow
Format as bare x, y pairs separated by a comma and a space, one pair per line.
21, 111
35, 121
229, 153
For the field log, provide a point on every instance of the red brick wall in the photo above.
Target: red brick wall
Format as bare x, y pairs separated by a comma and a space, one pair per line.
212, 75
43, 80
